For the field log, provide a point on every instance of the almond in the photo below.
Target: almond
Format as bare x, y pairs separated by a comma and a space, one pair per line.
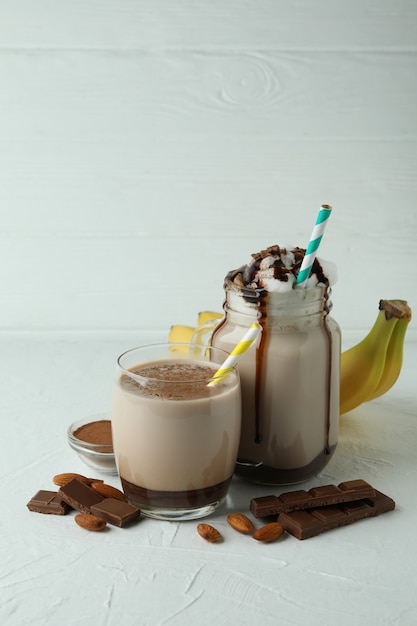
269, 532
240, 522
63, 479
107, 491
209, 533
90, 522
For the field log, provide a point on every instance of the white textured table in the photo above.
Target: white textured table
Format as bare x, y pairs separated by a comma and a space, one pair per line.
53, 572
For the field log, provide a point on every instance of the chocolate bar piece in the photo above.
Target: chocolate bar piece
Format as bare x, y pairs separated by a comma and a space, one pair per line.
317, 496
48, 502
79, 495
308, 523
115, 511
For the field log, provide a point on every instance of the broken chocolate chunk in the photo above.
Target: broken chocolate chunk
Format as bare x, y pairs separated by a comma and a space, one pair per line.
48, 502
79, 495
115, 511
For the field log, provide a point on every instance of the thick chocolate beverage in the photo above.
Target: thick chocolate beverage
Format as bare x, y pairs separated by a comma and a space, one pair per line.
175, 437
290, 378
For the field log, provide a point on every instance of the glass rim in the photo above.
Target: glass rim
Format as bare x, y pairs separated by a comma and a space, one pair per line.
201, 349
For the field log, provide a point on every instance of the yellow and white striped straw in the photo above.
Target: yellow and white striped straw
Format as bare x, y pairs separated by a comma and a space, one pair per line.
237, 352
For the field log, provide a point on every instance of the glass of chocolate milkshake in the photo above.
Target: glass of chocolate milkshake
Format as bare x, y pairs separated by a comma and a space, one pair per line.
175, 435
290, 378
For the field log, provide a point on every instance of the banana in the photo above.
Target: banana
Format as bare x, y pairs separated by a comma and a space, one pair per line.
180, 334
362, 367
394, 356
208, 316
206, 321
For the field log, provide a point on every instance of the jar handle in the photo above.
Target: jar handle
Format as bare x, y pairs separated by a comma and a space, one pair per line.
199, 336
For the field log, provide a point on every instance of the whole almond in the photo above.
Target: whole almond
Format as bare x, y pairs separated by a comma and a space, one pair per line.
240, 522
90, 522
269, 532
107, 491
63, 479
209, 533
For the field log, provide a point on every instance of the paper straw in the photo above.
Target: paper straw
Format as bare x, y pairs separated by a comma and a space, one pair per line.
236, 353
315, 239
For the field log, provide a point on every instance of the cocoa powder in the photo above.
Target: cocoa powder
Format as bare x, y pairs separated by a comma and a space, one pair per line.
96, 432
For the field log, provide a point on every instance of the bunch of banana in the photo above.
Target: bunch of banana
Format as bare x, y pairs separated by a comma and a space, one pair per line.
367, 370
371, 367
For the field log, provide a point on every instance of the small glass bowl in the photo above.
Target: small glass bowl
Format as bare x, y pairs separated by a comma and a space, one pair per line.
96, 455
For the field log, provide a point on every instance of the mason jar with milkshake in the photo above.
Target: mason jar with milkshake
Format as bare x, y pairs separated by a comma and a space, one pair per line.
290, 377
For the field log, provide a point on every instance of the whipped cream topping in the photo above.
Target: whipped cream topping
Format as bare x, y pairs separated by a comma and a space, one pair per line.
276, 269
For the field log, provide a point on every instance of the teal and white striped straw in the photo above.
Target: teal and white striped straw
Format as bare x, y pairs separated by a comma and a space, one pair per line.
315, 239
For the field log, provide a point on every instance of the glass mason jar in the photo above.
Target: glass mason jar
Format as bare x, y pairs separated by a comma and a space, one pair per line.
290, 381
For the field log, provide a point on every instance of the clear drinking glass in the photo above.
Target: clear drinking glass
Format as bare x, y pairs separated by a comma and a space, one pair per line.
175, 435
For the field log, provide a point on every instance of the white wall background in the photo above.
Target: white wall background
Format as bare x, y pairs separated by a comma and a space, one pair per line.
147, 147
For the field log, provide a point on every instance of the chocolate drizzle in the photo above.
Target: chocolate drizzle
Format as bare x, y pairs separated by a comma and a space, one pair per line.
260, 365
329, 340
